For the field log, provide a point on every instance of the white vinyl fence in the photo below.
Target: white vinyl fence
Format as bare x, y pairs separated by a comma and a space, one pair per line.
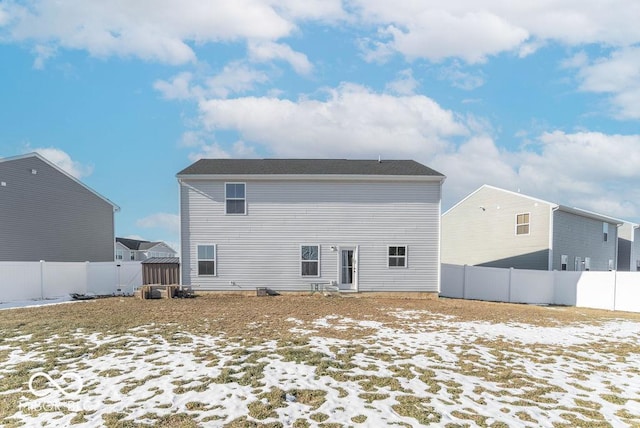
45, 280
617, 291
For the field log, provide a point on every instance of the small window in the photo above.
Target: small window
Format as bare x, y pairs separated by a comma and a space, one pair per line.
587, 263
119, 255
522, 224
563, 262
236, 202
132, 255
207, 260
605, 232
397, 256
611, 265
310, 260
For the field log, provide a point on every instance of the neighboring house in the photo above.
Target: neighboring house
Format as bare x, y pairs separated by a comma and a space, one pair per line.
46, 214
137, 250
499, 228
629, 247
287, 224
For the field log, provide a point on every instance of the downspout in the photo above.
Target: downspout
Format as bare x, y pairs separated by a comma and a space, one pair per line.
550, 260
439, 273
180, 230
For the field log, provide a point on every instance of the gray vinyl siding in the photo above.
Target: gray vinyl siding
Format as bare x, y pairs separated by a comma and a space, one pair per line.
628, 247
48, 216
577, 236
481, 230
262, 248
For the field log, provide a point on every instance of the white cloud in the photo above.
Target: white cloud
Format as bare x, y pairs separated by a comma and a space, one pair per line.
239, 149
405, 83
235, 78
352, 119
616, 75
461, 79
178, 88
473, 31
157, 30
263, 51
64, 161
165, 221
589, 170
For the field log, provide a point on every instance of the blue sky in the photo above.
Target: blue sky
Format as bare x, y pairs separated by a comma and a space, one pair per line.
543, 97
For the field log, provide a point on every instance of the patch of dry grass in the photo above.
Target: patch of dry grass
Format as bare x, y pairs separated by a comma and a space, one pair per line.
54, 333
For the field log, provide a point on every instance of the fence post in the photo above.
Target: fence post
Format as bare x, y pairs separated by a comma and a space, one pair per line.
464, 283
615, 288
509, 289
42, 279
87, 276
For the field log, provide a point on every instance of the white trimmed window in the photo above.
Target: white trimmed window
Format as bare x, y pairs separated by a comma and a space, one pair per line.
235, 198
605, 232
132, 255
310, 260
522, 224
397, 256
119, 254
564, 259
206, 260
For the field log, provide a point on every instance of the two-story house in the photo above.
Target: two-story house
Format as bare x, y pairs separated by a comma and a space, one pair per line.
285, 224
139, 250
47, 214
499, 228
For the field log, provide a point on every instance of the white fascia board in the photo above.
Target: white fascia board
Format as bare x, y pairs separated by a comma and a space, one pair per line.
312, 177
589, 214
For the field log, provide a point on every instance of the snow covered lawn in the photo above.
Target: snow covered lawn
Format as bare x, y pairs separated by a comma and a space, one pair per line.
308, 361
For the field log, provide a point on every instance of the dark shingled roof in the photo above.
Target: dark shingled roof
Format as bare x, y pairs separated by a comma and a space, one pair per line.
307, 166
161, 261
132, 244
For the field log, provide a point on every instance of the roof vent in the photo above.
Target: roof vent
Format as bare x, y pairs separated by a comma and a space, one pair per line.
379, 159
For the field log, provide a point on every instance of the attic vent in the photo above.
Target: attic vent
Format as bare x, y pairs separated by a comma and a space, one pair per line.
3, 183
34, 171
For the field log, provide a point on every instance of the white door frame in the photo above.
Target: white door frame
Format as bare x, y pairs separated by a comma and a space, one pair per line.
355, 267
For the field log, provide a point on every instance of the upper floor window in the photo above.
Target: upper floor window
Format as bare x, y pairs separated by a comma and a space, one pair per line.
605, 232
397, 256
235, 199
522, 224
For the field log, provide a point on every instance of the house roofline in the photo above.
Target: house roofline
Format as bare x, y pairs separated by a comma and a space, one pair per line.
589, 214
554, 206
488, 186
311, 177
116, 208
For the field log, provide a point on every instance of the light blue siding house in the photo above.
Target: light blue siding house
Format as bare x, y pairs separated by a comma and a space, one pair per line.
46, 214
498, 228
286, 224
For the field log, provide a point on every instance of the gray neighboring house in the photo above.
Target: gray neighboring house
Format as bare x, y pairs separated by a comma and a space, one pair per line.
139, 250
47, 214
286, 224
499, 228
629, 247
